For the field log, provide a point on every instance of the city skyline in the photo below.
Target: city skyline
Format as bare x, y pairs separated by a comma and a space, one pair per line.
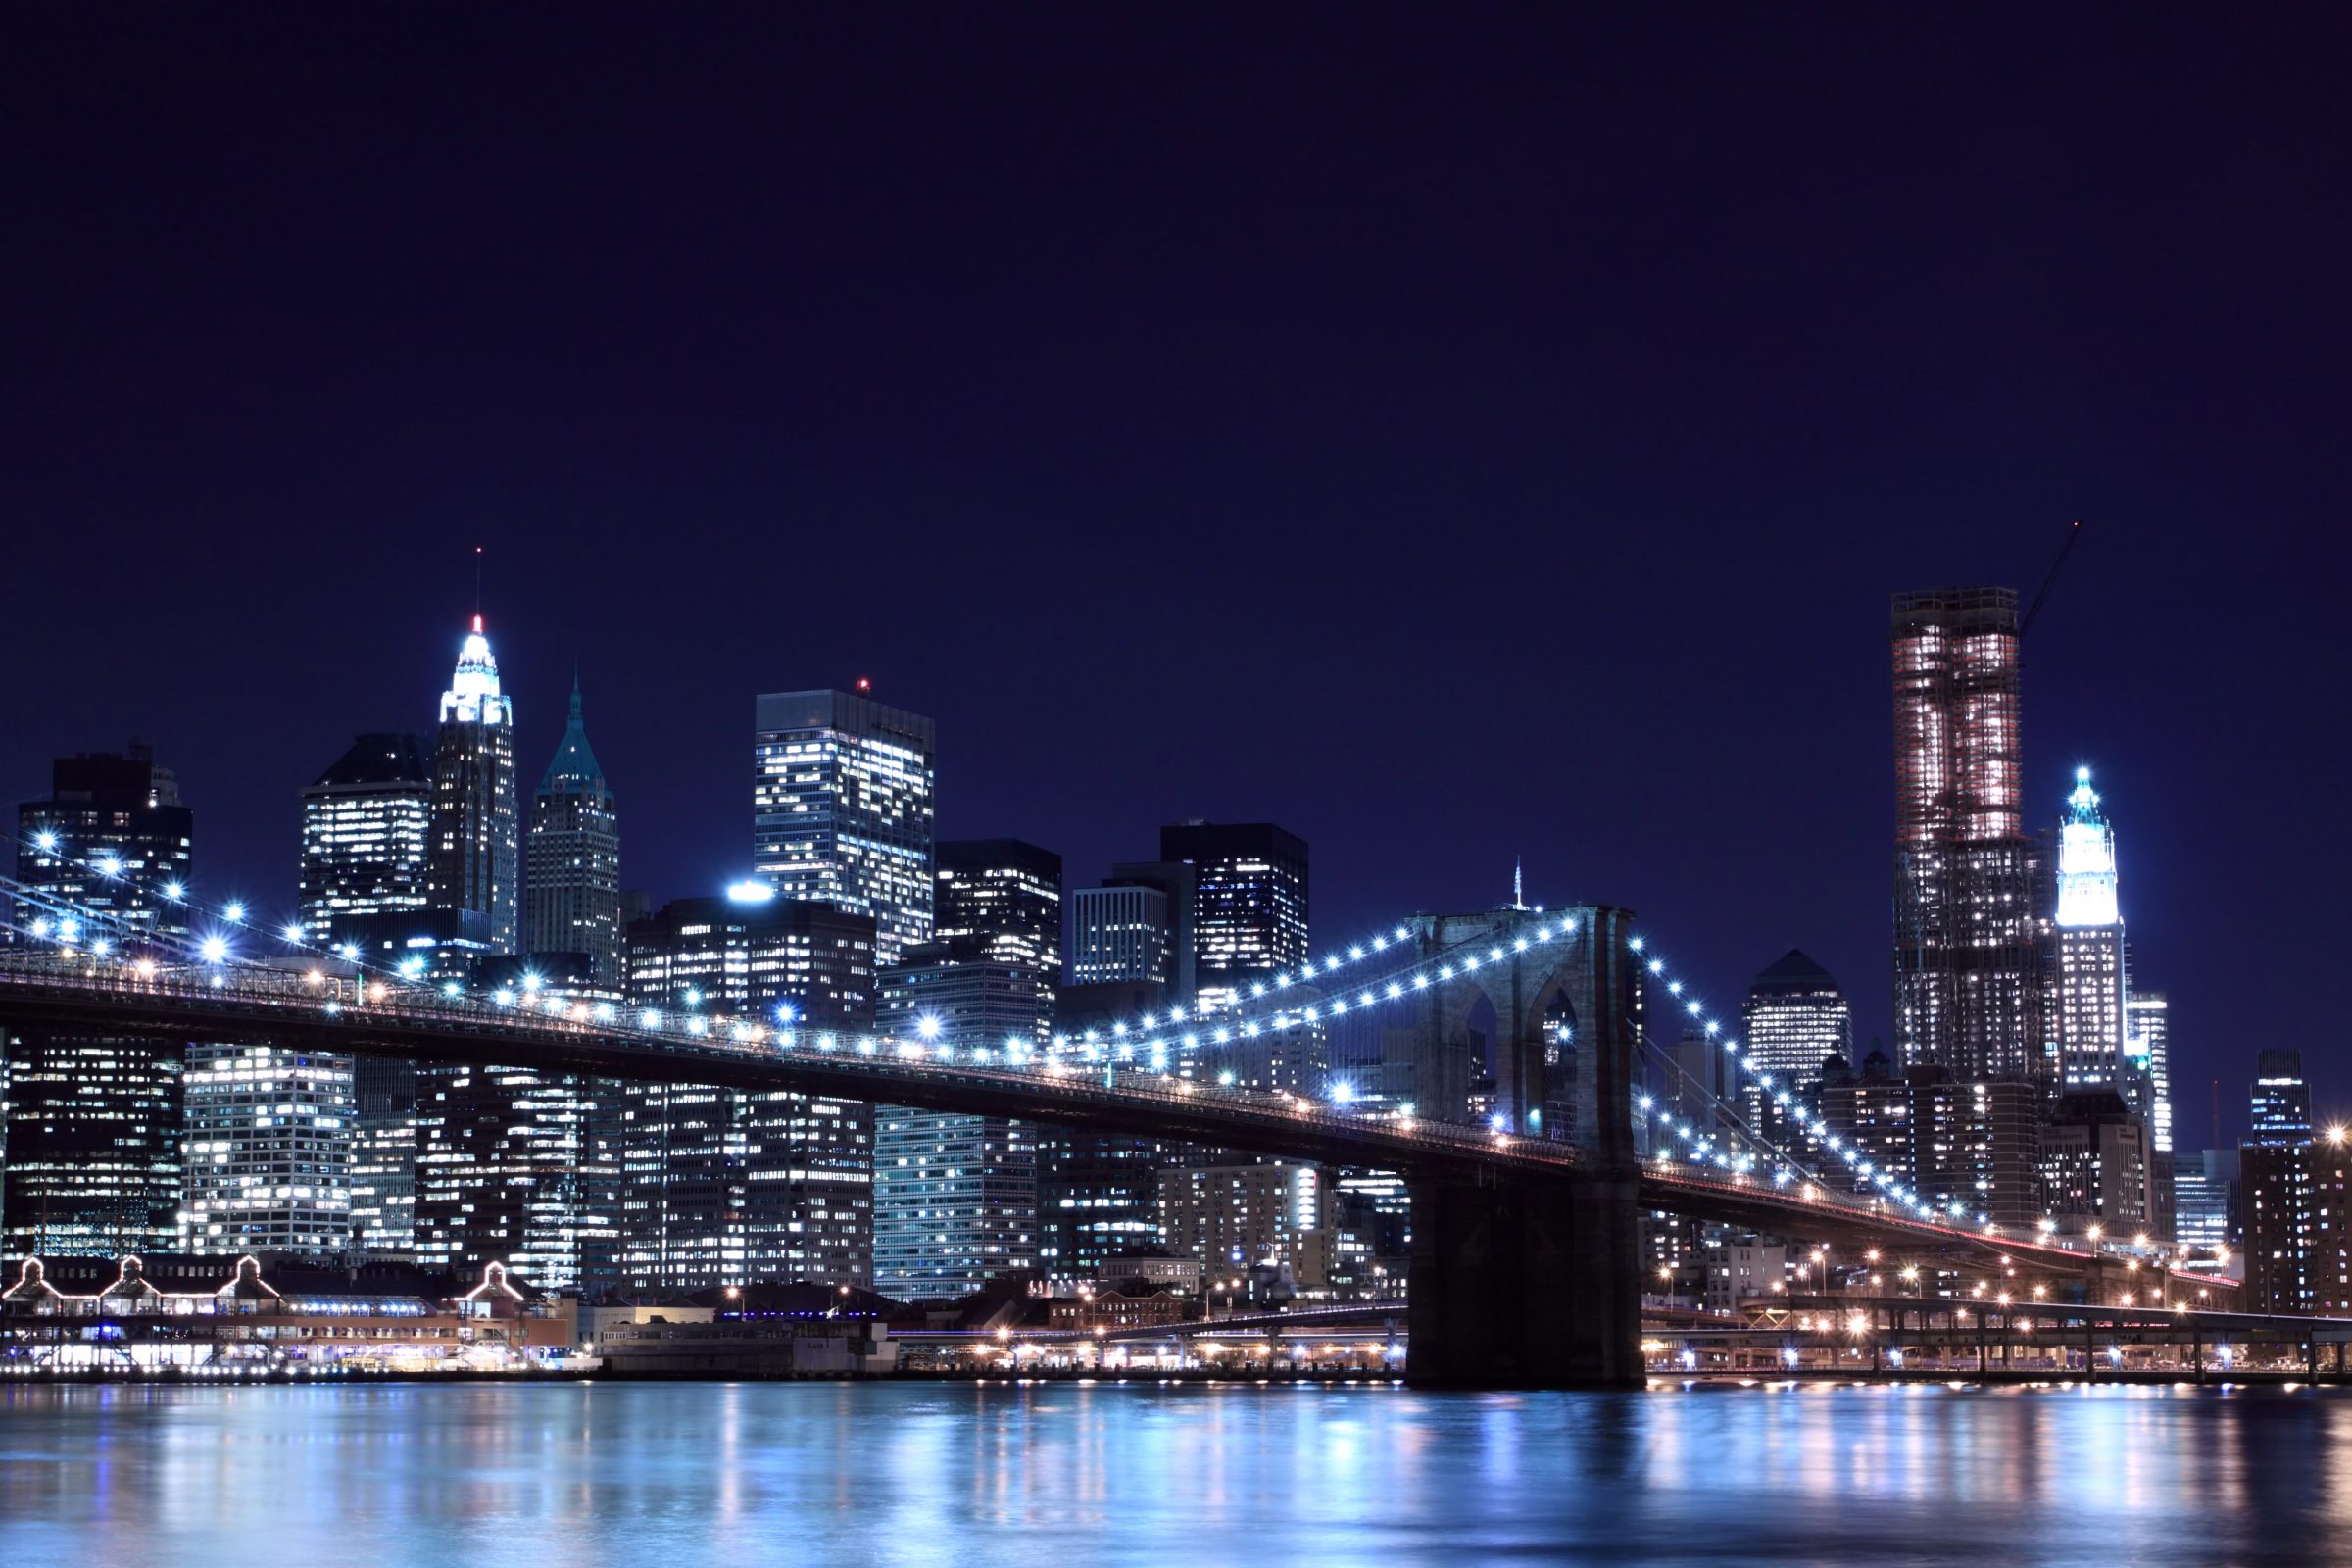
1181, 441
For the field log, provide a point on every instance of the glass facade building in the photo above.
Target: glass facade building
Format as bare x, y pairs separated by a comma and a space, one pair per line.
841, 807
1796, 1019
572, 897
955, 1196
94, 1123
1122, 934
2088, 1026
366, 825
2281, 1101
1966, 881
1250, 904
475, 853
732, 1187
269, 1152
1005, 893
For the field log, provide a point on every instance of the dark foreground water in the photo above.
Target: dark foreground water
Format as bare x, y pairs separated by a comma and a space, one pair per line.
1108, 1476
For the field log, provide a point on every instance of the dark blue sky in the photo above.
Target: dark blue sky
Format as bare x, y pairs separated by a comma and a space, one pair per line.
1456, 436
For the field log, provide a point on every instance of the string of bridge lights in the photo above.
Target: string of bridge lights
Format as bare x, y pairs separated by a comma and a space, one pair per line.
1865, 1171
1157, 1035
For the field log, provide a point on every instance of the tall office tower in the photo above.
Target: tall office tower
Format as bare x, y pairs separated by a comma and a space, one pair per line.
1122, 934
1967, 936
2205, 1210
955, 1196
476, 856
94, 1122
2297, 1206
269, 1152
841, 809
2148, 1041
726, 1185
1240, 1217
383, 1161
366, 832
1796, 1019
2088, 981
519, 1168
1249, 903
1006, 893
2093, 1157
1965, 1147
572, 902
2281, 1099
1098, 1193
366, 825
1696, 1081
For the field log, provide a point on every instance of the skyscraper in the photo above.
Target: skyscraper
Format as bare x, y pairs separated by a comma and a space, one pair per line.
1249, 911
1122, 934
841, 809
2281, 1099
476, 850
730, 1187
2148, 1038
573, 894
94, 1122
366, 826
1796, 1019
955, 1196
1966, 940
269, 1152
2089, 987
1006, 893
521, 1168
2296, 1198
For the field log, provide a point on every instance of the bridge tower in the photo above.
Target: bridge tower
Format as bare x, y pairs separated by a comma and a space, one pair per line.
1531, 1282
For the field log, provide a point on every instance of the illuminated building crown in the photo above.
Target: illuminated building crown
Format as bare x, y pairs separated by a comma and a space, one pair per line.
2086, 860
473, 697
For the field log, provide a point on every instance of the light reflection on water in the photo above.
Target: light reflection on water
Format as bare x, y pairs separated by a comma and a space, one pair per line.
678, 1474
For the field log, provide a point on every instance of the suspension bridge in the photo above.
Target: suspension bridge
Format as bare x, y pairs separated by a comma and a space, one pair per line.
1526, 1267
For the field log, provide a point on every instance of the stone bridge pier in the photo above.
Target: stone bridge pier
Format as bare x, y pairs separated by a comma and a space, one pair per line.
1534, 1280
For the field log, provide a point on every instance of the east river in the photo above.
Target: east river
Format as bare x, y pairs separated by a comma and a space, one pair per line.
1124, 1475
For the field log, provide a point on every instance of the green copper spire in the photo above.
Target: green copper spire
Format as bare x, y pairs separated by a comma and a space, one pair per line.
573, 769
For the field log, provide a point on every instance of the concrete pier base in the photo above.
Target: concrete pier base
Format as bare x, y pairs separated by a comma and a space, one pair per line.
1533, 1283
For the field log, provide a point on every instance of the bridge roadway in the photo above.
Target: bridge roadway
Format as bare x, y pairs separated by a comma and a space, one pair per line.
1532, 1230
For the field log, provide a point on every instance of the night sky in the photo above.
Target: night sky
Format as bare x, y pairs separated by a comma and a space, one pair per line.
1455, 434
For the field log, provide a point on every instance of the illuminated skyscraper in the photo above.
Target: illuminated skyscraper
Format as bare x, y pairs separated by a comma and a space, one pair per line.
366, 825
2148, 1037
1796, 1018
573, 894
1006, 893
1249, 909
731, 1187
1967, 928
2087, 1019
269, 1152
476, 850
841, 809
94, 1122
2281, 1098
955, 1196
1122, 934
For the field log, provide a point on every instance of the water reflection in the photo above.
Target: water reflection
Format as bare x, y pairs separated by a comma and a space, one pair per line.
687, 1474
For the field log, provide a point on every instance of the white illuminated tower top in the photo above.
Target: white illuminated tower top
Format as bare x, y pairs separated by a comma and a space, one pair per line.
474, 696
2086, 860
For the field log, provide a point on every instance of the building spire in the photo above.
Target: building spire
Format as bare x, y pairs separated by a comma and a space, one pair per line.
1518, 885
573, 769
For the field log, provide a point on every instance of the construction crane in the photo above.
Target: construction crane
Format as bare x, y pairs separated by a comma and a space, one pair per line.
2050, 578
